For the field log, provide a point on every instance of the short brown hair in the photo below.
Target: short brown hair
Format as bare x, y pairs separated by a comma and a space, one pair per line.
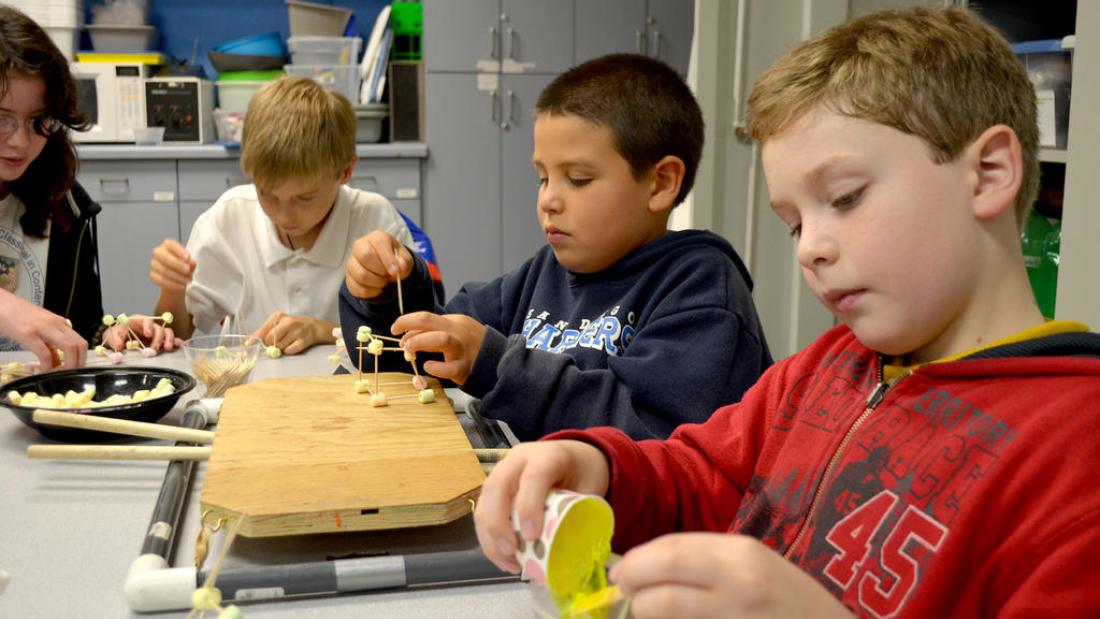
646, 105
941, 75
296, 128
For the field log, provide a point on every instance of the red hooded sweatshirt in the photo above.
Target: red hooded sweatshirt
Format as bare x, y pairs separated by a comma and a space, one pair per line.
967, 488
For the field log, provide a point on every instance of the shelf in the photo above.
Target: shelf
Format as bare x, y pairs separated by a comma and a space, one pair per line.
1053, 155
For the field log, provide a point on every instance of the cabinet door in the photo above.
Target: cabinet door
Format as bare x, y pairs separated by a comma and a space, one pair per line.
129, 180
189, 212
461, 205
607, 26
536, 36
671, 26
128, 232
521, 233
207, 179
461, 36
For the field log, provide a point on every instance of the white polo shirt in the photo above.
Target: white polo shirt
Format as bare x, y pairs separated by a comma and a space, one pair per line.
243, 270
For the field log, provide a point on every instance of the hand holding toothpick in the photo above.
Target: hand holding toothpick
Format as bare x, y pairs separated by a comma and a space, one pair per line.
292, 335
377, 260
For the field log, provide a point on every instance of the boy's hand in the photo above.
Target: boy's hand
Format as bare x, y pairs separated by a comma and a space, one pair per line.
718, 575
152, 334
457, 336
375, 261
522, 481
172, 266
293, 334
41, 332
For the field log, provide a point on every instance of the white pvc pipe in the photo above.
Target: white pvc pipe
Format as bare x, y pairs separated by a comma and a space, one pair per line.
153, 586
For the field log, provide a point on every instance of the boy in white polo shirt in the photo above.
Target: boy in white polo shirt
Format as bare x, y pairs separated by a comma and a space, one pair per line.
270, 254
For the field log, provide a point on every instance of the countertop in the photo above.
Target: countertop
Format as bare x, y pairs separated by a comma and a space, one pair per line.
217, 151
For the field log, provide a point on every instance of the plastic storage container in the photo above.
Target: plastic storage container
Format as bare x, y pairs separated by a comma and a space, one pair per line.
229, 125
117, 38
343, 79
309, 19
1050, 68
233, 96
368, 122
324, 50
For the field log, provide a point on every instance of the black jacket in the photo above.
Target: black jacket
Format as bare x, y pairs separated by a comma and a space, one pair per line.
72, 268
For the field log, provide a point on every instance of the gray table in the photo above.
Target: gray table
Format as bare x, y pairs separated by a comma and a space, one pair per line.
69, 531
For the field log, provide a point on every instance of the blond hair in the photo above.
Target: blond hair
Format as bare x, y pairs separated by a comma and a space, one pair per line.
941, 75
295, 128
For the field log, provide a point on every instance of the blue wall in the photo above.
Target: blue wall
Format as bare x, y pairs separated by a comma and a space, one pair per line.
212, 22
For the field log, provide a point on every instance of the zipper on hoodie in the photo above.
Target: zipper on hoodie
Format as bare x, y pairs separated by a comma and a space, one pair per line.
873, 400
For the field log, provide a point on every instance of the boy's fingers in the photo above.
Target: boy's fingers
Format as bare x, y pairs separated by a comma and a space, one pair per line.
493, 513
419, 321
297, 346
451, 370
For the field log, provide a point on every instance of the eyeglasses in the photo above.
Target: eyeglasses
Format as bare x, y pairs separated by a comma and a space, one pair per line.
41, 125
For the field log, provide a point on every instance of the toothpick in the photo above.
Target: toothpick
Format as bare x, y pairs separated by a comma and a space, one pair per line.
400, 304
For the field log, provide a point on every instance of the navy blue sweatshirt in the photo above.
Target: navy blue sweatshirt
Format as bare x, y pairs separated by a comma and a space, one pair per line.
663, 337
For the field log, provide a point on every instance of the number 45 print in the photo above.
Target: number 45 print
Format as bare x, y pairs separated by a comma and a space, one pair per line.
852, 538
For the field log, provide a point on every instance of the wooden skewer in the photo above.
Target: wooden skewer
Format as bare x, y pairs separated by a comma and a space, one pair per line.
123, 426
117, 452
167, 452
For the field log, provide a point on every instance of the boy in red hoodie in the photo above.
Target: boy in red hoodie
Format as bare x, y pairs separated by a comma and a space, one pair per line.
932, 456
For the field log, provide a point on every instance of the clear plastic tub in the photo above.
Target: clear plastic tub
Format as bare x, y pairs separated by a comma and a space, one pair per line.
234, 96
343, 79
324, 50
229, 125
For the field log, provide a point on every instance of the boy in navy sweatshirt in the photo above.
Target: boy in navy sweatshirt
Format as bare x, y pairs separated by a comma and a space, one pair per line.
617, 321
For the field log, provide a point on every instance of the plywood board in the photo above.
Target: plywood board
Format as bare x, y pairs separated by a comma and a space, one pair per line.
309, 455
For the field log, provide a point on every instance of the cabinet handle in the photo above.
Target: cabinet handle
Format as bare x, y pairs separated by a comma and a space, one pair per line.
511, 40
492, 42
125, 182
655, 40
372, 181
508, 106
233, 181
493, 105
638, 42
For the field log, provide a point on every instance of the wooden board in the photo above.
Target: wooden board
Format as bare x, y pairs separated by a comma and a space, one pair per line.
309, 455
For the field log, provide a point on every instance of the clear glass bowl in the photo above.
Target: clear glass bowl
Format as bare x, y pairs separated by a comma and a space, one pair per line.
222, 361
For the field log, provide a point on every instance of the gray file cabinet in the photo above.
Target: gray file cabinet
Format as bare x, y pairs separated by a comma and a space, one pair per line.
149, 194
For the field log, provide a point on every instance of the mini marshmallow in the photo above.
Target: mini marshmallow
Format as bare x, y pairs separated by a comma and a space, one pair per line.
375, 347
426, 396
420, 383
378, 400
362, 385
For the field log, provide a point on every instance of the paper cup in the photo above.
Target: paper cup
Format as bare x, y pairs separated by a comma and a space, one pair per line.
572, 548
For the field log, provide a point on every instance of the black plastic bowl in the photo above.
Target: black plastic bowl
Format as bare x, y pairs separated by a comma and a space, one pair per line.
107, 382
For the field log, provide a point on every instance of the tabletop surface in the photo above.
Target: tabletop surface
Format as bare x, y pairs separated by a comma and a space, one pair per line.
70, 529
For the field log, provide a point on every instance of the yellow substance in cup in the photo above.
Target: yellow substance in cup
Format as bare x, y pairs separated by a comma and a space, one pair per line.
578, 556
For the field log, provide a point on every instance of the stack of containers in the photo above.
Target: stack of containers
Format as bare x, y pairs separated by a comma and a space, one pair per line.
61, 19
330, 61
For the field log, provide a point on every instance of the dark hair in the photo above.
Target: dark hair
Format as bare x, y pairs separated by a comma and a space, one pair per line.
27, 51
646, 105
